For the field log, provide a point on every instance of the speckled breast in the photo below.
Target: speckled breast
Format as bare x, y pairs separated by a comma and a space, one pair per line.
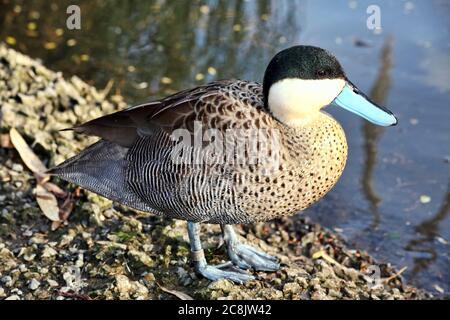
312, 159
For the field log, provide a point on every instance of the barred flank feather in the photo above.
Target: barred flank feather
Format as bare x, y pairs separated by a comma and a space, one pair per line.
101, 168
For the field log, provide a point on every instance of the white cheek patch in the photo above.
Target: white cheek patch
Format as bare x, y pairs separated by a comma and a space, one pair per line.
295, 100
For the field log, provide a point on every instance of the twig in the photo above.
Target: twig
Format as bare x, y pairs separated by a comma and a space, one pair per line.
387, 280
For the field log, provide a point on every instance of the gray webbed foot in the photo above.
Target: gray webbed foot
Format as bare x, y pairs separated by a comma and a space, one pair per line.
245, 256
224, 271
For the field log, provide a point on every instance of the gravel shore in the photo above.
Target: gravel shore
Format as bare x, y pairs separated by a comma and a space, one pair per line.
105, 251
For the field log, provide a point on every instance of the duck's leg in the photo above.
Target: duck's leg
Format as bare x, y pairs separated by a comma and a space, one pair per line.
223, 271
245, 256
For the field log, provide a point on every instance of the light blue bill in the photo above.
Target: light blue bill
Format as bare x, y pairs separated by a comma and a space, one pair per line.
355, 101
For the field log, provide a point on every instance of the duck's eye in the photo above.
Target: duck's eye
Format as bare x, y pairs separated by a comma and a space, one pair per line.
321, 73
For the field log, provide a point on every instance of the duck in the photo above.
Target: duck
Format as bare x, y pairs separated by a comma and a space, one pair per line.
228, 152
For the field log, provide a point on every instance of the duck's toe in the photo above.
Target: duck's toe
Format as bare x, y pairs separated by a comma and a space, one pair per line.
225, 271
246, 257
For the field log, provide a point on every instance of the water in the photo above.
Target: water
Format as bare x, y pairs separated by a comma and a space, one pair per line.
394, 197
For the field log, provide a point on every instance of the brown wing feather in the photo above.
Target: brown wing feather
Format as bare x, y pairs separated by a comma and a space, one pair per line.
122, 127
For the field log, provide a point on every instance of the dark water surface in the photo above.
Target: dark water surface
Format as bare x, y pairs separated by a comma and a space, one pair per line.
394, 197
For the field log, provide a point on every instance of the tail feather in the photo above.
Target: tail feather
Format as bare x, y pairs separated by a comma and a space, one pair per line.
101, 168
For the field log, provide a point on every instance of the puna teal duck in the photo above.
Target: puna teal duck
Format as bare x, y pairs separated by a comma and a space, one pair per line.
286, 153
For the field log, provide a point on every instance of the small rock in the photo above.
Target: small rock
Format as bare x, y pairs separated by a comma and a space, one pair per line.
130, 289
7, 280
438, 288
150, 277
27, 233
73, 280
80, 261
17, 291
48, 252
141, 257
352, 274
34, 284
147, 247
17, 167
52, 283
291, 289
222, 285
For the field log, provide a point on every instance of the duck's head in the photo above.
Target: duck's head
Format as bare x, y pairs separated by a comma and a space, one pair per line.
301, 80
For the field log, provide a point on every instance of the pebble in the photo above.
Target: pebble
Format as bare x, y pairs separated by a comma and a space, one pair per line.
7, 280
52, 283
17, 167
48, 252
438, 288
34, 284
291, 288
130, 289
17, 291
80, 261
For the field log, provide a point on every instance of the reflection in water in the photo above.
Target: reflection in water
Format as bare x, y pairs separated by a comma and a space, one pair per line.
139, 43
428, 230
372, 133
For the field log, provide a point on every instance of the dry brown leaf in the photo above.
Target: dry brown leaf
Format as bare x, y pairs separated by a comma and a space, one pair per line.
55, 225
45, 191
180, 295
53, 188
64, 211
26, 153
47, 202
66, 208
